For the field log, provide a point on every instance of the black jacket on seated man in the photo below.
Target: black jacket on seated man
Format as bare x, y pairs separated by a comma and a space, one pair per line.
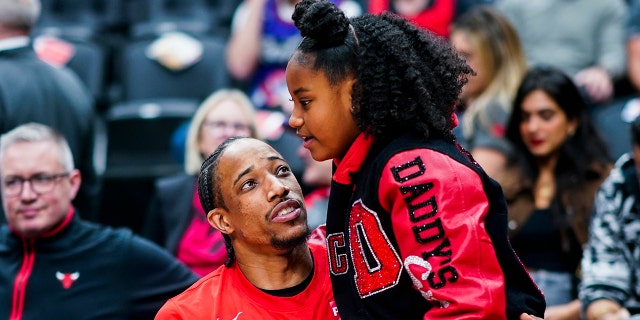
81, 270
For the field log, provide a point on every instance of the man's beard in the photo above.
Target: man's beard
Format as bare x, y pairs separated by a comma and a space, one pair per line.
292, 242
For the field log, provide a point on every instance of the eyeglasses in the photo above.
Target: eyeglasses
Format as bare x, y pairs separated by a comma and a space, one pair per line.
40, 183
218, 126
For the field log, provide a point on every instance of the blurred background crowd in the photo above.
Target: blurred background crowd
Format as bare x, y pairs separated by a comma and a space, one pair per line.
144, 90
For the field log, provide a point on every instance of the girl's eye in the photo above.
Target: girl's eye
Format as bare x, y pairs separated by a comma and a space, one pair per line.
304, 103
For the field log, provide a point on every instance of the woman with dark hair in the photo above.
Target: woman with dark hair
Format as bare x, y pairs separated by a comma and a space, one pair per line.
558, 164
415, 227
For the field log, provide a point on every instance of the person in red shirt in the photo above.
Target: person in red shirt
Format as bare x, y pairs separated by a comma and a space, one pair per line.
251, 196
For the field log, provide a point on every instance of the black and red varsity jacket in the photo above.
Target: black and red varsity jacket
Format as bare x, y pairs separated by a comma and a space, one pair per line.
417, 230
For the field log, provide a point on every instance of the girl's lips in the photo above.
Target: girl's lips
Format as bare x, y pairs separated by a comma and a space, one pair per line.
306, 142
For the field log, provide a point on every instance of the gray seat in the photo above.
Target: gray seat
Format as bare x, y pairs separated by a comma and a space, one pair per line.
144, 78
612, 126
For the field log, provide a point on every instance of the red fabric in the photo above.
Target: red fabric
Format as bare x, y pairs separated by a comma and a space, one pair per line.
227, 294
351, 162
457, 227
436, 18
202, 247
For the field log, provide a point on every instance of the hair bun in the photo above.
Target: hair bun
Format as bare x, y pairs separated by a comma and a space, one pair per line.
322, 21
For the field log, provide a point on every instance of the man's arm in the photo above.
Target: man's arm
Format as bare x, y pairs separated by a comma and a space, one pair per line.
606, 275
154, 276
243, 48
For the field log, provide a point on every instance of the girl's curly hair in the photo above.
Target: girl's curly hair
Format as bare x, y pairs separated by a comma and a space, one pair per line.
407, 79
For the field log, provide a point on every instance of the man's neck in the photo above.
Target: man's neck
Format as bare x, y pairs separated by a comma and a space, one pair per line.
275, 272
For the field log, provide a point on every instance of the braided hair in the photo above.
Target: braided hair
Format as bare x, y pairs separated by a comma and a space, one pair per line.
209, 189
407, 79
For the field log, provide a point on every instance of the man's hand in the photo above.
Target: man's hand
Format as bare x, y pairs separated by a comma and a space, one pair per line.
596, 82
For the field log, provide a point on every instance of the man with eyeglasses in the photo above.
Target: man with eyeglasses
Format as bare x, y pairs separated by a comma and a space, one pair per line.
53, 264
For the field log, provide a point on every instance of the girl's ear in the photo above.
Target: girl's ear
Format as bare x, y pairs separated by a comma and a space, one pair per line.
218, 218
346, 90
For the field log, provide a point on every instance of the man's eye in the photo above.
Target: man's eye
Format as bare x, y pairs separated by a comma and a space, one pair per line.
41, 179
283, 170
248, 185
11, 182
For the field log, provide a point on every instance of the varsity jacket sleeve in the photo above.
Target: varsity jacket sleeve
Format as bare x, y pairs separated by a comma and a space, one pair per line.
438, 209
606, 269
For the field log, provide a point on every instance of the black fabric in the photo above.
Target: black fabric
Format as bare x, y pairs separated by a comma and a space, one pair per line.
539, 246
119, 275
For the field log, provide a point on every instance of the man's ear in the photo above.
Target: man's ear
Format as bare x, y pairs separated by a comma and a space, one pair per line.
218, 219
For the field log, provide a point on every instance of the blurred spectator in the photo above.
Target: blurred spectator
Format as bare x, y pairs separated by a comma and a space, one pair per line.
317, 178
584, 38
34, 91
175, 219
559, 162
54, 264
433, 15
491, 47
262, 39
611, 264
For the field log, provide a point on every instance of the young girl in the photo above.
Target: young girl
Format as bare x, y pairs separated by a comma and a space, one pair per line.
415, 228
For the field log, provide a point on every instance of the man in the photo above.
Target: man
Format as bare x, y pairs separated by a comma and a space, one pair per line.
250, 194
610, 287
33, 91
252, 197
54, 265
